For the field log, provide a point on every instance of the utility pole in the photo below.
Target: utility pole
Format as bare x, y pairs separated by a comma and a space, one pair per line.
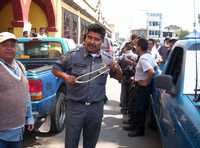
98, 9
194, 9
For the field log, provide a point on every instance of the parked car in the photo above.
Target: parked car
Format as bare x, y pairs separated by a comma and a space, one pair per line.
47, 91
176, 98
107, 45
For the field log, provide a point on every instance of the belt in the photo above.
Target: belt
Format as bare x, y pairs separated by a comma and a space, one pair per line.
85, 102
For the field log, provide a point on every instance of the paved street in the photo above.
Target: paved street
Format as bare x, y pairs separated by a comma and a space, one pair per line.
112, 135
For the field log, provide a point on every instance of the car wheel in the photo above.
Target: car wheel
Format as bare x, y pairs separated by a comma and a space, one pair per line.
58, 114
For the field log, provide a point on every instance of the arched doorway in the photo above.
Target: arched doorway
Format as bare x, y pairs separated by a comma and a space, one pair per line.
48, 8
6, 14
15, 13
37, 17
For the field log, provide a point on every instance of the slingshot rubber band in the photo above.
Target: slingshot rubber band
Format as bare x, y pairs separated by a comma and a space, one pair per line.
102, 70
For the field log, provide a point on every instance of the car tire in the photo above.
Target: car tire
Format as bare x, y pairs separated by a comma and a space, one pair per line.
58, 114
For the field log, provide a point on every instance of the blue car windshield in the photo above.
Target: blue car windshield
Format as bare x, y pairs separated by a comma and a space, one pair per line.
190, 72
38, 50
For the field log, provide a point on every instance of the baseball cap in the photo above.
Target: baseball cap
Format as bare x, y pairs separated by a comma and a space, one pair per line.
6, 36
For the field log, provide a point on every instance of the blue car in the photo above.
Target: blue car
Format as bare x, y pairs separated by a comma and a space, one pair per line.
176, 98
47, 91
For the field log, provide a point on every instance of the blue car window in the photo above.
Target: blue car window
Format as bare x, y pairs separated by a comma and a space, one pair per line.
194, 47
175, 64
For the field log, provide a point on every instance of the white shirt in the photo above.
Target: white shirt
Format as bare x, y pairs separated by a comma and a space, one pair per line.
146, 62
41, 36
156, 54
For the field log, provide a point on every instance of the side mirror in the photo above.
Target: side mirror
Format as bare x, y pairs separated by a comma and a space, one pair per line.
165, 82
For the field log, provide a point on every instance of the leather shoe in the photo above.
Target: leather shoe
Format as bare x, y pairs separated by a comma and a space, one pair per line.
136, 133
124, 111
128, 128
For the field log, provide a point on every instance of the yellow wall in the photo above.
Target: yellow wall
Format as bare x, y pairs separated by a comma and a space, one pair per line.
6, 17
18, 31
37, 17
76, 12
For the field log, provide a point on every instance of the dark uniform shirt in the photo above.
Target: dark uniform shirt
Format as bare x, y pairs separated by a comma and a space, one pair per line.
80, 62
164, 52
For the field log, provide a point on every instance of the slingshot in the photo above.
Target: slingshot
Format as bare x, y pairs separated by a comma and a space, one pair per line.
91, 75
107, 60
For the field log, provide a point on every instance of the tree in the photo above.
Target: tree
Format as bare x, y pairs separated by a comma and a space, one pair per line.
173, 27
182, 33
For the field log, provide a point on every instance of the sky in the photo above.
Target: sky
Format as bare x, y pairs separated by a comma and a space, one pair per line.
131, 14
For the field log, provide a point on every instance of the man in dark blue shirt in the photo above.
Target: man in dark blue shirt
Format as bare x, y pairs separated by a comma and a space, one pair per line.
85, 101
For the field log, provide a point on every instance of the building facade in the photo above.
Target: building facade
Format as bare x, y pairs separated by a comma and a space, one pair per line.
21, 14
154, 25
154, 28
66, 18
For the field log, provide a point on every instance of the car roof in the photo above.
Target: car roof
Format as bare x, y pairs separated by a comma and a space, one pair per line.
188, 44
193, 35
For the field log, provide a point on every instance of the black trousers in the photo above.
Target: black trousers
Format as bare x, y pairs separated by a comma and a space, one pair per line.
138, 105
125, 90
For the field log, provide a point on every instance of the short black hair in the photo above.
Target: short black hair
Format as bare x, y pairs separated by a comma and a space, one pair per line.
42, 28
151, 40
25, 33
172, 41
166, 39
143, 43
97, 29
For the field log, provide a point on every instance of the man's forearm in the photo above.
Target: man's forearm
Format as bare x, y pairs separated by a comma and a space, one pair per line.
59, 74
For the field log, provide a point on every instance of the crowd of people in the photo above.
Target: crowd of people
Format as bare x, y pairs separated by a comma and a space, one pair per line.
134, 66
41, 34
140, 59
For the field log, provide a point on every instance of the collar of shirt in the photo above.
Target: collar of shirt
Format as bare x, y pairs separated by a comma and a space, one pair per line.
14, 67
94, 55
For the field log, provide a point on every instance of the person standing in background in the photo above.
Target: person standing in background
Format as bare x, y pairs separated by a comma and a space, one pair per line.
154, 51
144, 72
42, 32
25, 34
163, 50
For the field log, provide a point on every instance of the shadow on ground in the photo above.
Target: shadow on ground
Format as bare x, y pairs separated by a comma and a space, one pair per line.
112, 132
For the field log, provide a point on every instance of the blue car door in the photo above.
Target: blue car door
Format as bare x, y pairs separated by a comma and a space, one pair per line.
168, 103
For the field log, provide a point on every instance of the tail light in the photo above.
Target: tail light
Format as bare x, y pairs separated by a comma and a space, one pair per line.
35, 88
